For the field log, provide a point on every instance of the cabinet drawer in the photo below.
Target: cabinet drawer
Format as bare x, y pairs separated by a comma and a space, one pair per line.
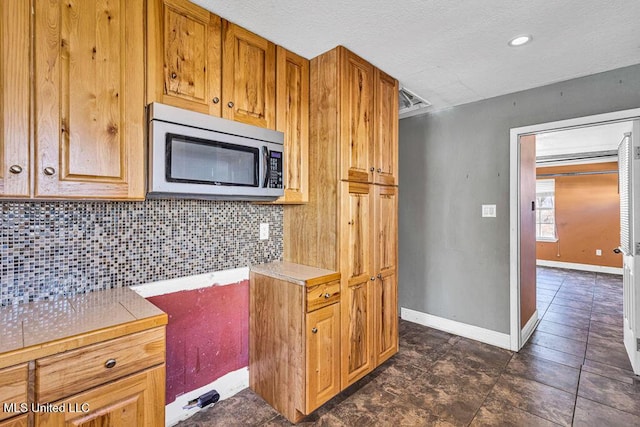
323, 295
15, 422
78, 370
13, 388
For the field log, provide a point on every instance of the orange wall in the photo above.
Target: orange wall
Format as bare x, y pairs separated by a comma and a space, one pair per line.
587, 216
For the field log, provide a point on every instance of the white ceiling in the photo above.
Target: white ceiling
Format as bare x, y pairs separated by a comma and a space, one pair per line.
454, 52
582, 140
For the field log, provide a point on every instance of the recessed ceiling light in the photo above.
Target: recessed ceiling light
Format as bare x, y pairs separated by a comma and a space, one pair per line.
520, 40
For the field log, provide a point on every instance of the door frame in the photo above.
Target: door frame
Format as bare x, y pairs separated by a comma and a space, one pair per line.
514, 200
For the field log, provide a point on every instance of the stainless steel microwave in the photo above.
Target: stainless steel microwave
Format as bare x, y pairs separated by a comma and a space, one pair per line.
194, 155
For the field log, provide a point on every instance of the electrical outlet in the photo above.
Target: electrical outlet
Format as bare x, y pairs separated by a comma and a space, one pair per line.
598, 252
488, 211
264, 230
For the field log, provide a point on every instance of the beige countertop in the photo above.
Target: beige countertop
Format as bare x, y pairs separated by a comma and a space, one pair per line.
303, 275
40, 328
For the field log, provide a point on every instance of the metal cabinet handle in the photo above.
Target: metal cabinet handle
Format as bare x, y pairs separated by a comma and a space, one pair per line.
617, 251
215, 100
372, 168
230, 104
314, 330
16, 169
110, 363
373, 278
379, 275
350, 223
327, 295
49, 170
174, 75
379, 170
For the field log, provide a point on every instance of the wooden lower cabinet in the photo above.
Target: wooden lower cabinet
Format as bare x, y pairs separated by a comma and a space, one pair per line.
137, 400
21, 421
294, 336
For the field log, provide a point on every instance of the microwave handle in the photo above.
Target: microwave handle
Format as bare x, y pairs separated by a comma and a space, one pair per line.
265, 165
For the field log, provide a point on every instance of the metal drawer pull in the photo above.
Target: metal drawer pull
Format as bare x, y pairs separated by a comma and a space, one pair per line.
314, 330
16, 169
327, 295
379, 275
372, 168
373, 278
379, 170
230, 104
49, 171
216, 100
110, 363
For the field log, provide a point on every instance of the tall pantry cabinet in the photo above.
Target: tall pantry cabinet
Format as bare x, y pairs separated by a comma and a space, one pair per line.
350, 222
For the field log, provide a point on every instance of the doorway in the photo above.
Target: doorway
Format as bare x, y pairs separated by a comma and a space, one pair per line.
521, 258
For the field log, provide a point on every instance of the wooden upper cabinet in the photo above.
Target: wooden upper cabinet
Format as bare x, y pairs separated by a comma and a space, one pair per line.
386, 138
14, 98
184, 55
249, 77
89, 99
357, 122
292, 95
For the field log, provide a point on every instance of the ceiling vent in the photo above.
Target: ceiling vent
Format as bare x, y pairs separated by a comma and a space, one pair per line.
410, 103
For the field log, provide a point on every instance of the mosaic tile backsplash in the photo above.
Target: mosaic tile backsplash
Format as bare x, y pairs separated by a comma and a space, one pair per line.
65, 248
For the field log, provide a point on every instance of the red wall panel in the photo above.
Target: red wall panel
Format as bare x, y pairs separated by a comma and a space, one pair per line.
207, 335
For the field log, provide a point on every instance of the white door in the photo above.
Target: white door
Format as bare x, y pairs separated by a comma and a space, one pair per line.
629, 180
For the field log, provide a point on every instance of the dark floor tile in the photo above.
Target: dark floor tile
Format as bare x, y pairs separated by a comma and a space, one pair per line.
609, 319
563, 330
606, 331
605, 341
606, 370
544, 298
539, 399
544, 371
546, 292
575, 312
481, 356
589, 413
614, 309
586, 298
619, 395
613, 354
553, 355
550, 286
567, 319
581, 305
497, 413
566, 345
243, 409
373, 406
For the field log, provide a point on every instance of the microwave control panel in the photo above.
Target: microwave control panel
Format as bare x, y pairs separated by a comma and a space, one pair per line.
275, 169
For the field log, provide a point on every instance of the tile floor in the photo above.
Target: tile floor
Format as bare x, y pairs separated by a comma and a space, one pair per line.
573, 371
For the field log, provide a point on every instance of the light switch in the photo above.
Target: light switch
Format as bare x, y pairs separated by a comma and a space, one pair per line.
488, 211
264, 230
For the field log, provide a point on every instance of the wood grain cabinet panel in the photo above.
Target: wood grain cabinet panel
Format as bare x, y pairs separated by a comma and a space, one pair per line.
184, 55
386, 124
386, 269
357, 122
13, 388
135, 401
323, 355
20, 421
249, 77
89, 103
15, 138
292, 118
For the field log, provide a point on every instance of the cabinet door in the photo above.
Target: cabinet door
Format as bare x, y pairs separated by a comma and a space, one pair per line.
292, 97
357, 281
184, 56
89, 103
14, 98
357, 120
386, 268
323, 355
249, 77
386, 139
21, 421
137, 400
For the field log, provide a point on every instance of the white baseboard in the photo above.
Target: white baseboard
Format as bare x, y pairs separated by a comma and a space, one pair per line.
581, 267
477, 333
528, 329
226, 386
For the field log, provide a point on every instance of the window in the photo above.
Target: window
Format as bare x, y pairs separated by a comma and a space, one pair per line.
546, 210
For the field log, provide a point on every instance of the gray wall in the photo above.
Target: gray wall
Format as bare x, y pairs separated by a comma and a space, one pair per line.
453, 263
